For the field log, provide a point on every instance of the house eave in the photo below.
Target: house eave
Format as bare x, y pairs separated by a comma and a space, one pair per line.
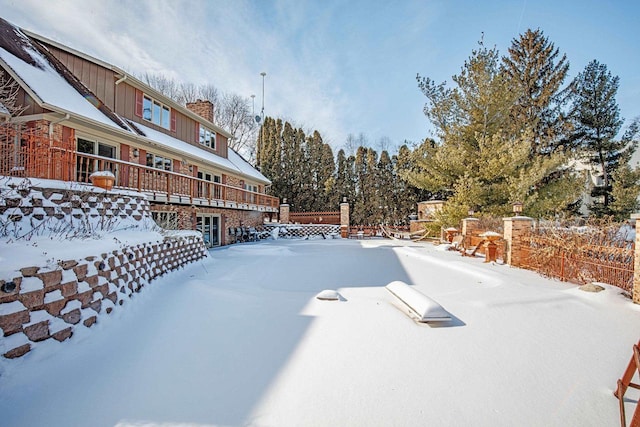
132, 80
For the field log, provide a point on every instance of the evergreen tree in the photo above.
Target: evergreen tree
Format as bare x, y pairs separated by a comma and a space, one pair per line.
596, 119
625, 192
371, 189
406, 196
360, 215
326, 177
386, 189
535, 69
481, 160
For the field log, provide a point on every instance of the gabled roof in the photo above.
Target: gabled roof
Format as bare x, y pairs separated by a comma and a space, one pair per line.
55, 88
245, 166
131, 79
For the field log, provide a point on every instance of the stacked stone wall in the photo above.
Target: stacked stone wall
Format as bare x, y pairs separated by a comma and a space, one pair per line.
39, 303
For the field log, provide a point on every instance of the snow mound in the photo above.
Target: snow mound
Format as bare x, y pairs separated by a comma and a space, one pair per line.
328, 295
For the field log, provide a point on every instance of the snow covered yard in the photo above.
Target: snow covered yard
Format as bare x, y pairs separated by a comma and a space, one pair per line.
239, 339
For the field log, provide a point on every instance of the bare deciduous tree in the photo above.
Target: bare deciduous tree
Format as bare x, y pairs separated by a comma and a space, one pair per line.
9, 96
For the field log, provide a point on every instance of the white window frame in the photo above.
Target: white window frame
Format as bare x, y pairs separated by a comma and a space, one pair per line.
96, 146
158, 160
156, 112
207, 137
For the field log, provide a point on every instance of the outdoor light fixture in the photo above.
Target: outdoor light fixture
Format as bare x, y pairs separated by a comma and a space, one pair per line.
8, 287
517, 208
135, 152
470, 212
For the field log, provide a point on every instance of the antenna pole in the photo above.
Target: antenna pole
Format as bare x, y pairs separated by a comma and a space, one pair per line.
262, 113
263, 74
253, 105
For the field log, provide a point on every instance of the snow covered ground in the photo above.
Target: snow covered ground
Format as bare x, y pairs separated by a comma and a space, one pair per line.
239, 339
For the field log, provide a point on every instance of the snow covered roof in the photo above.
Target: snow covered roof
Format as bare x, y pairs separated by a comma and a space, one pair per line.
245, 167
44, 82
234, 163
56, 88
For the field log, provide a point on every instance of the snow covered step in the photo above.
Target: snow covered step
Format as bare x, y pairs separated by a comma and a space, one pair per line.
426, 309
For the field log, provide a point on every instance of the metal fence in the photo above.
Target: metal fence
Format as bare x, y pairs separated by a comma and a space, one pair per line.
578, 263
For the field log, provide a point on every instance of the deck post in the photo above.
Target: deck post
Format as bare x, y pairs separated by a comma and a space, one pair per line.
344, 218
469, 226
515, 228
284, 212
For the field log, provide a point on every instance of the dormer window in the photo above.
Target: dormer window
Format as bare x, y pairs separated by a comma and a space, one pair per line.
207, 137
154, 111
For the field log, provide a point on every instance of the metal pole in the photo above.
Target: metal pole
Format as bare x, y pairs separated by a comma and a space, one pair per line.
262, 113
263, 74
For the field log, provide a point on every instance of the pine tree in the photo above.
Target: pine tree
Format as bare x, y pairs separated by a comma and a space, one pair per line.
406, 196
596, 119
386, 189
482, 161
536, 70
625, 192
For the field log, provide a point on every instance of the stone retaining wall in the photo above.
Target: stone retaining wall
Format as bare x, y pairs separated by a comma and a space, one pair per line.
39, 303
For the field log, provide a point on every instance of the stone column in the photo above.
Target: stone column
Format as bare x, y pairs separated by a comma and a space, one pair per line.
469, 226
284, 212
635, 292
515, 228
344, 218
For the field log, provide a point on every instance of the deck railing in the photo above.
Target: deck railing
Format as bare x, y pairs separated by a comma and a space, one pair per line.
30, 154
332, 217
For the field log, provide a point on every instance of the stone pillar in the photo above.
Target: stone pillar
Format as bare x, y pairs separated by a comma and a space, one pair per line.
344, 218
635, 291
515, 228
469, 226
284, 212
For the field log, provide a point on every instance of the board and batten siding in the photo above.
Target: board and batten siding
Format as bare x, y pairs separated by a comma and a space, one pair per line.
99, 80
121, 99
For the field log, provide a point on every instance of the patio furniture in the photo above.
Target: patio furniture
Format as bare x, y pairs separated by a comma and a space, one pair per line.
624, 383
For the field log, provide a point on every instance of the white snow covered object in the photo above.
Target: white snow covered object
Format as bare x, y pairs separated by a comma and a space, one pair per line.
426, 309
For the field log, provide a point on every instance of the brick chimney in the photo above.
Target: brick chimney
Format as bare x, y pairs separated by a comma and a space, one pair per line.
202, 108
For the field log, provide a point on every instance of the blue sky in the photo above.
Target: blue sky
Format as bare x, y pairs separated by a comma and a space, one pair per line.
339, 67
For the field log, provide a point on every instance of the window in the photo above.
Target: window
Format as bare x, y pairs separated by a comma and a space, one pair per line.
97, 148
251, 197
204, 189
158, 162
166, 220
156, 112
207, 137
85, 165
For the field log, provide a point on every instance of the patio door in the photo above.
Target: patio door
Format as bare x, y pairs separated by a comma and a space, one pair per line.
209, 226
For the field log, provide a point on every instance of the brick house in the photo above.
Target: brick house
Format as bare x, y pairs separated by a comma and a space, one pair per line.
80, 115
